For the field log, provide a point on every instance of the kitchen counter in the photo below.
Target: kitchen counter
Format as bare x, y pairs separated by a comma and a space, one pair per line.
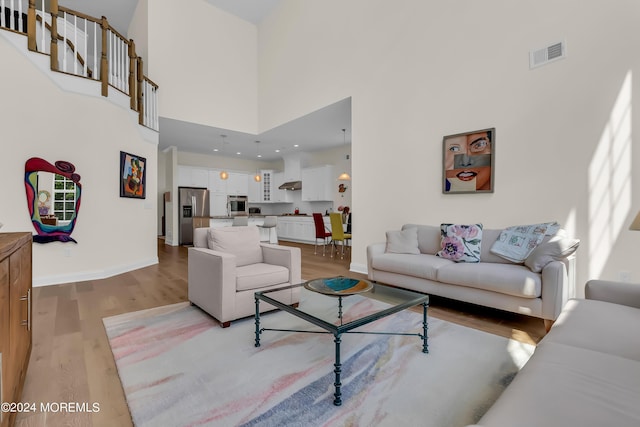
291, 227
299, 228
227, 221
231, 217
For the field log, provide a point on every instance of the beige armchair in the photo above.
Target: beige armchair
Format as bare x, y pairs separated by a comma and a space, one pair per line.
228, 265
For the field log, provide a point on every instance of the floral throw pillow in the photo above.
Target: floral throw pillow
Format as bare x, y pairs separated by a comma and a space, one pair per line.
460, 243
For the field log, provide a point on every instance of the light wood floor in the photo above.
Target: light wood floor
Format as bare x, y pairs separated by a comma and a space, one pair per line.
71, 360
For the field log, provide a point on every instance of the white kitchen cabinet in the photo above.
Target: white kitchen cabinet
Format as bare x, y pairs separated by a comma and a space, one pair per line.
317, 183
218, 204
277, 195
296, 229
261, 192
216, 184
237, 184
266, 190
255, 191
192, 177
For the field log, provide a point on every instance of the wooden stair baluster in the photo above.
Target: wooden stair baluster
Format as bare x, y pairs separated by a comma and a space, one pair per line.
54, 34
104, 62
132, 77
140, 82
31, 26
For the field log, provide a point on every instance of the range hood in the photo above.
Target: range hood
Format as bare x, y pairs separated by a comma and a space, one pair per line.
292, 171
291, 185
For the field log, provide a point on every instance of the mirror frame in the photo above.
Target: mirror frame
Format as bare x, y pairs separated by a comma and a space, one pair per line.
49, 233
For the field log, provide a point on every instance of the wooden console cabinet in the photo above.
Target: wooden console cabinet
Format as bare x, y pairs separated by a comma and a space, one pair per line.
15, 316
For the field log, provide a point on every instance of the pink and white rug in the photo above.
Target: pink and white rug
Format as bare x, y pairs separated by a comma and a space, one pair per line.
178, 367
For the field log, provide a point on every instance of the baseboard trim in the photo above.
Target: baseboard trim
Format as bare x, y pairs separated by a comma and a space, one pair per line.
91, 275
358, 268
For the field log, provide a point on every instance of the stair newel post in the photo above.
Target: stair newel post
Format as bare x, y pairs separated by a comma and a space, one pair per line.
31, 26
133, 91
104, 63
54, 34
139, 88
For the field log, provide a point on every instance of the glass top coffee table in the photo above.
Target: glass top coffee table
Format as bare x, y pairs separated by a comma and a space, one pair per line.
331, 321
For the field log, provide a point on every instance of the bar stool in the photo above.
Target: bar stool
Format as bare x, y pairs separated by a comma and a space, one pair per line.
270, 223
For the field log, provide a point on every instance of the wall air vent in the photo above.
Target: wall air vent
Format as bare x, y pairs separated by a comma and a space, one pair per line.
547, 54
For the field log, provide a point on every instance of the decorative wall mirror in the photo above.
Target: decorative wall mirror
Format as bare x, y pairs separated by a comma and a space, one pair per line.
53, 198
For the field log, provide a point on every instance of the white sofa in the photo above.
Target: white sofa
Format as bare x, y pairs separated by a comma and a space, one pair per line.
586, 371
492, 282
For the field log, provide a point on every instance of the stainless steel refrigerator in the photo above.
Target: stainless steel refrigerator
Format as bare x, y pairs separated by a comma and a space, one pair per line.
193, 202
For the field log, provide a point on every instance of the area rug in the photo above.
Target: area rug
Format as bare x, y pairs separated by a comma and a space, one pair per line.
178, 367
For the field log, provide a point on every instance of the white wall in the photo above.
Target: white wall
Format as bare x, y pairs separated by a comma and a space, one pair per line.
417, 71
205, 62
139, 32
41, 120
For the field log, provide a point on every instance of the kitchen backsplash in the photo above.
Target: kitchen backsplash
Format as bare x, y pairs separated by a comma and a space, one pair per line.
303, 207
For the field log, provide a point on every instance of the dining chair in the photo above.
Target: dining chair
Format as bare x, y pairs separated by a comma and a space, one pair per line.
321, 232
337, 233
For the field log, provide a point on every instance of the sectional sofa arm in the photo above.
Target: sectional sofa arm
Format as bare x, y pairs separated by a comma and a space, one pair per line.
616, 292
286, 256
373, 250
557, 288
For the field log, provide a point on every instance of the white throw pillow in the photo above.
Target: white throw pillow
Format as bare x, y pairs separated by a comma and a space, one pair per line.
516, 243
556, 249
403, 242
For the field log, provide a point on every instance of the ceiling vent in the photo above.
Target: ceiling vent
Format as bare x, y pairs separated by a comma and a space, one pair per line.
547, 54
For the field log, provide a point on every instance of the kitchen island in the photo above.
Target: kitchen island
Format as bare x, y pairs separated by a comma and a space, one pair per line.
299, 228
291, 228
227, 221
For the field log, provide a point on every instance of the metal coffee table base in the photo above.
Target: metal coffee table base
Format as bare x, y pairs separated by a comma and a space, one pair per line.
336, 334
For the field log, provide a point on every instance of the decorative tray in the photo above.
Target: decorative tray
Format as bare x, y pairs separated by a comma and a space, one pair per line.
338, 286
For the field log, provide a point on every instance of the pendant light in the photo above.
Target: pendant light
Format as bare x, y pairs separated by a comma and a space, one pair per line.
258, 177
344, 176
223, 173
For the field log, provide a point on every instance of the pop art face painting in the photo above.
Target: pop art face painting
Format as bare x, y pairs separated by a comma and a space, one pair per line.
468, 162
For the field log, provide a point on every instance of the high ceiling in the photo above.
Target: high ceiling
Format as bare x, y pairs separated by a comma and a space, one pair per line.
318, 130
120, 12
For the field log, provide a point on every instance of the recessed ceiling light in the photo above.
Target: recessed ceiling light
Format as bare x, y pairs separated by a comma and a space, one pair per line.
296, 145
277, 151
215, 149
259, 155
238, 153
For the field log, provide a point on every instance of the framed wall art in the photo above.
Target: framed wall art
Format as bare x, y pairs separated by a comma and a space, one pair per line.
468, 162
133, 176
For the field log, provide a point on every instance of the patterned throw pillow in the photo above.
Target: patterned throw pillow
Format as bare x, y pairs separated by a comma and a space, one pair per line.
460, 243
516, 243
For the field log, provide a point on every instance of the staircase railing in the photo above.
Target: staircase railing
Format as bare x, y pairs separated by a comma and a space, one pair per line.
86, 47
